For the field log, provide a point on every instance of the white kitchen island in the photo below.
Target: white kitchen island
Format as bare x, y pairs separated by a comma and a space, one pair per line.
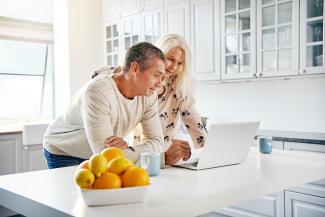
175, 192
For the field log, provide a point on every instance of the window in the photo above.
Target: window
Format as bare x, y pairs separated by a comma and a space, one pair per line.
26, 79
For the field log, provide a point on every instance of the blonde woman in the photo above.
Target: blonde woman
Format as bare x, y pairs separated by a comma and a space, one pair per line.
176, 102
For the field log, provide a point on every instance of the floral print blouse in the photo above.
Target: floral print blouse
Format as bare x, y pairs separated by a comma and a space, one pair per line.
172, 112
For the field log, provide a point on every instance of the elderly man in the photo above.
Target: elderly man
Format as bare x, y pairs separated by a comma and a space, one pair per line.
109, 107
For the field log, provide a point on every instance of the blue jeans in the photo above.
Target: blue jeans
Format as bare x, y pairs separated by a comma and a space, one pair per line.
56, 161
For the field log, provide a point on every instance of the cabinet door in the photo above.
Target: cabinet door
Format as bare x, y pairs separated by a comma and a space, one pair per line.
131, 31
151, 4
312, 41
33, 158
301, 205
266, 206
112, 43
130, 7
205, 39
9, 154
151, 25
177, 19
238, 39
277, 38
316, 188
111, 9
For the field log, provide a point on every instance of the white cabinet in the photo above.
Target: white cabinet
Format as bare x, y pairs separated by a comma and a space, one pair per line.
238, 41
205, 39
111, 9
177, 19
112, 43
134, 6
312, 44
270, 205
302, 205
277, 38
33, 158
10, 146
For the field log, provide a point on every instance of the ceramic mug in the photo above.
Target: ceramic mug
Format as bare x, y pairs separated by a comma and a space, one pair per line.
150, 161
265, 144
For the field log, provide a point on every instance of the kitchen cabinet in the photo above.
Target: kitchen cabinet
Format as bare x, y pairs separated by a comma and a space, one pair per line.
10, 149
277, 38
205, 40
270, 205
134, 6
111, 9
177, 19
238, 39
112, 42
304, 146
312, 44
33, 158
302, 205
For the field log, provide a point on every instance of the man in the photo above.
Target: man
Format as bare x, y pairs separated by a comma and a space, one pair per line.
107, 108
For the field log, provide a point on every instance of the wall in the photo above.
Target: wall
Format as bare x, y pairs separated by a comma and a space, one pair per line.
33, 10
78, 36
297, 104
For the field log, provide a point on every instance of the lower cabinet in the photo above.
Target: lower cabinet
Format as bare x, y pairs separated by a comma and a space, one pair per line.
10, 158
270, 205
303, 205
33, 158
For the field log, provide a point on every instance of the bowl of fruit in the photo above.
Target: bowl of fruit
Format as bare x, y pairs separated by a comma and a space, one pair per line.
109, 178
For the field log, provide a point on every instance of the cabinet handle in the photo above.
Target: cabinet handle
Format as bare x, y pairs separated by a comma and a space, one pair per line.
261, 74
254, 75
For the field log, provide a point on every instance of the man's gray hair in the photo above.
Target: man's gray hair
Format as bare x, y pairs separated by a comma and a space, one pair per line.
141, 53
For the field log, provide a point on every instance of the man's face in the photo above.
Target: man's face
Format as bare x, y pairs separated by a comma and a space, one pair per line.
149, 79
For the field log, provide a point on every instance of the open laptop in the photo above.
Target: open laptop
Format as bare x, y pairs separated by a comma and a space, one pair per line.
227, 144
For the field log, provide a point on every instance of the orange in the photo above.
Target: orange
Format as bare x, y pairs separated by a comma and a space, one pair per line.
135, 176
84, 165
112, 152
107, 180
118, 165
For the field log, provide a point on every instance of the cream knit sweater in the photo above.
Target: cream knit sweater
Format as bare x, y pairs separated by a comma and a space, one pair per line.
98, 111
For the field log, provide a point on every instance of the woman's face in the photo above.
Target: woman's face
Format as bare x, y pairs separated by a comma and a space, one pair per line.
174, 61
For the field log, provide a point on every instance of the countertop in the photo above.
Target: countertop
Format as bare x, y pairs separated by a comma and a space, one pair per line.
294, 136
175, 192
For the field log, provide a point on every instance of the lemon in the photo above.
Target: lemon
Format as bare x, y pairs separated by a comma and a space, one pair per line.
84, 178
98, 164
112, 152
118, 165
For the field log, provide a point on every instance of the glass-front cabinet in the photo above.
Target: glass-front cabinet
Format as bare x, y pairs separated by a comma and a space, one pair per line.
238, 39
312, 38
112, 44
277, 38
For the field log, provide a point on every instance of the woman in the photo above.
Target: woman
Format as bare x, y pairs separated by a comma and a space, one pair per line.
176, 102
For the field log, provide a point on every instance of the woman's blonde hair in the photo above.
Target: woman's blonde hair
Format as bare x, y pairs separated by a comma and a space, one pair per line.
184, 81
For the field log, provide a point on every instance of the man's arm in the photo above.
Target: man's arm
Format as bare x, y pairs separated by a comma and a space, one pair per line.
96, 118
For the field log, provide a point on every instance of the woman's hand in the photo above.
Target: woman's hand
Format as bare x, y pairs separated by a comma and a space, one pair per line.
114, 141
179, 149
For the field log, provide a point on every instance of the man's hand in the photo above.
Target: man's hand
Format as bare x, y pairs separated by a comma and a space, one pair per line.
178, 149
114, 141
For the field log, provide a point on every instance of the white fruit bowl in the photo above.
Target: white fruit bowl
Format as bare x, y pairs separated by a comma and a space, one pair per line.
99, 197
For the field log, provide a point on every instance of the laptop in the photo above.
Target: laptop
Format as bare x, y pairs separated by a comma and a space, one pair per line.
227, 144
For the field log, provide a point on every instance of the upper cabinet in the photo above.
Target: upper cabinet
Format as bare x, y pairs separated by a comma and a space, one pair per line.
312, 36
229, 39
277, 38
177, 19
238, 50
205, 39
111, 9
134, 6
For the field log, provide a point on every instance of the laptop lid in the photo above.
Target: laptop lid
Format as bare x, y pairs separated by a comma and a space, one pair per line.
227, 144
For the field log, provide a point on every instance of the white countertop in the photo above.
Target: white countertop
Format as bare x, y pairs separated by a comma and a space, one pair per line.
175, 192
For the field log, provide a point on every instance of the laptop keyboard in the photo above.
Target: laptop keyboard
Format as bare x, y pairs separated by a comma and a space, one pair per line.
193, 164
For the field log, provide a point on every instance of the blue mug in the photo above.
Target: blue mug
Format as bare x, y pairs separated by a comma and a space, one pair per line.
265, 144
150, 161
